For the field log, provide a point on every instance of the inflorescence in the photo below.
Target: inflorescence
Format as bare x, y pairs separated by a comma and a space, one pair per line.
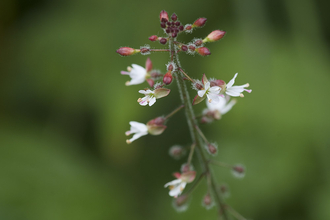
217, 93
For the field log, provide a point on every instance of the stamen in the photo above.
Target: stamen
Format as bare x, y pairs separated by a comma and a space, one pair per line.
128, 133
248, 90
210, 100
247, 85
241, 95
129, 69
128, 141
139, 100
127, 83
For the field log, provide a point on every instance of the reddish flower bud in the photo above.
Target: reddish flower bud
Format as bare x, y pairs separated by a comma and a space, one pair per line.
181, 203
163, 25
153, 38
181, 28
238, 171
144, 50
188, 27
174, 17
163, 16
127, 51
167, 78
214, 36
212, 149
224, 191
163, 41
203, 51
199, 22
186, 167
174, 34
207, 201
170, 67
184, 48
191, 47
198, 42
177, 152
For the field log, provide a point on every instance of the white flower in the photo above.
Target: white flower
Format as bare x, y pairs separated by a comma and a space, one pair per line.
149, 98
236, 91
138, 129
137, 73
177, 186
223, 106
212, 93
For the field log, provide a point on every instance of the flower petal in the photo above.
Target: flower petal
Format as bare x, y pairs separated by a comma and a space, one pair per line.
201, 93
232, 81
152, 101
173, 182
227, 107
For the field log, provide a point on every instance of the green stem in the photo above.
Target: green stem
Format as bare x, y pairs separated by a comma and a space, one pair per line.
192, 124
175, 111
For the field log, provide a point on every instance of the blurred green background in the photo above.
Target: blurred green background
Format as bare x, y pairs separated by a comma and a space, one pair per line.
64, 109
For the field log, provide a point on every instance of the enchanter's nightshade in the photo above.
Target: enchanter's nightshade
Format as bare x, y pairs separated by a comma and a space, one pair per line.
217, 94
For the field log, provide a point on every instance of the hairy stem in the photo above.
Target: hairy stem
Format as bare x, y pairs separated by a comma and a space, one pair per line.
192, 124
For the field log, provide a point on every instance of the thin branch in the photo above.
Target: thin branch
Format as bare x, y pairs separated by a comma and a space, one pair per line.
181, 70
173, 112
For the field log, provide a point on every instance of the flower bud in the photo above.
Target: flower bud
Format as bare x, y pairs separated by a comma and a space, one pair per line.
156, 126
191, 47
153, 38
167, 78
198, 42
148, 65
127, 51
199, 22
177, 152
186, 167
238, 171
184, 48
212, 149
224, 190
145, 50
188, 27
180, 204
174, 17
163, 16
208, 201
203, 51
214, 36
163, 41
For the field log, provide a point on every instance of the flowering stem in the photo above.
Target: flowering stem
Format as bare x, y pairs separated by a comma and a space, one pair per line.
192, 149
192, 124
201, 134
186, 75
235, 213
221, 164
159, 50
175, 111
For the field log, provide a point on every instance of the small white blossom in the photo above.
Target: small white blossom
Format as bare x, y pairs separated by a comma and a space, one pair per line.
236, 91
177, 186
138, 129
223, 106
149, 98
137, 73
212, 93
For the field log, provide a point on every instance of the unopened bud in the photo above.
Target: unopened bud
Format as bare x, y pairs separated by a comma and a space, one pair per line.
203, 51
186, 167
188, 27
163, 41
170, 67
167, 78
177, 152
145, 50
224, 191
153, 38
174, 17
184, 48
198, 86
208, 201
214, 36
180, 204
174, 34
127, 51
163, 16
148, 65
163, 25
212, 149
199, 22
156, 126
191, 47
198, 42
181, 28
238, 171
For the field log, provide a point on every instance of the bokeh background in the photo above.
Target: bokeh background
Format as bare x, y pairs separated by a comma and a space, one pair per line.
64, 109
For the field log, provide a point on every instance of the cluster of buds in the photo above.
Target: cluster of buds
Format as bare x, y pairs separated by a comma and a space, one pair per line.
217, 93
